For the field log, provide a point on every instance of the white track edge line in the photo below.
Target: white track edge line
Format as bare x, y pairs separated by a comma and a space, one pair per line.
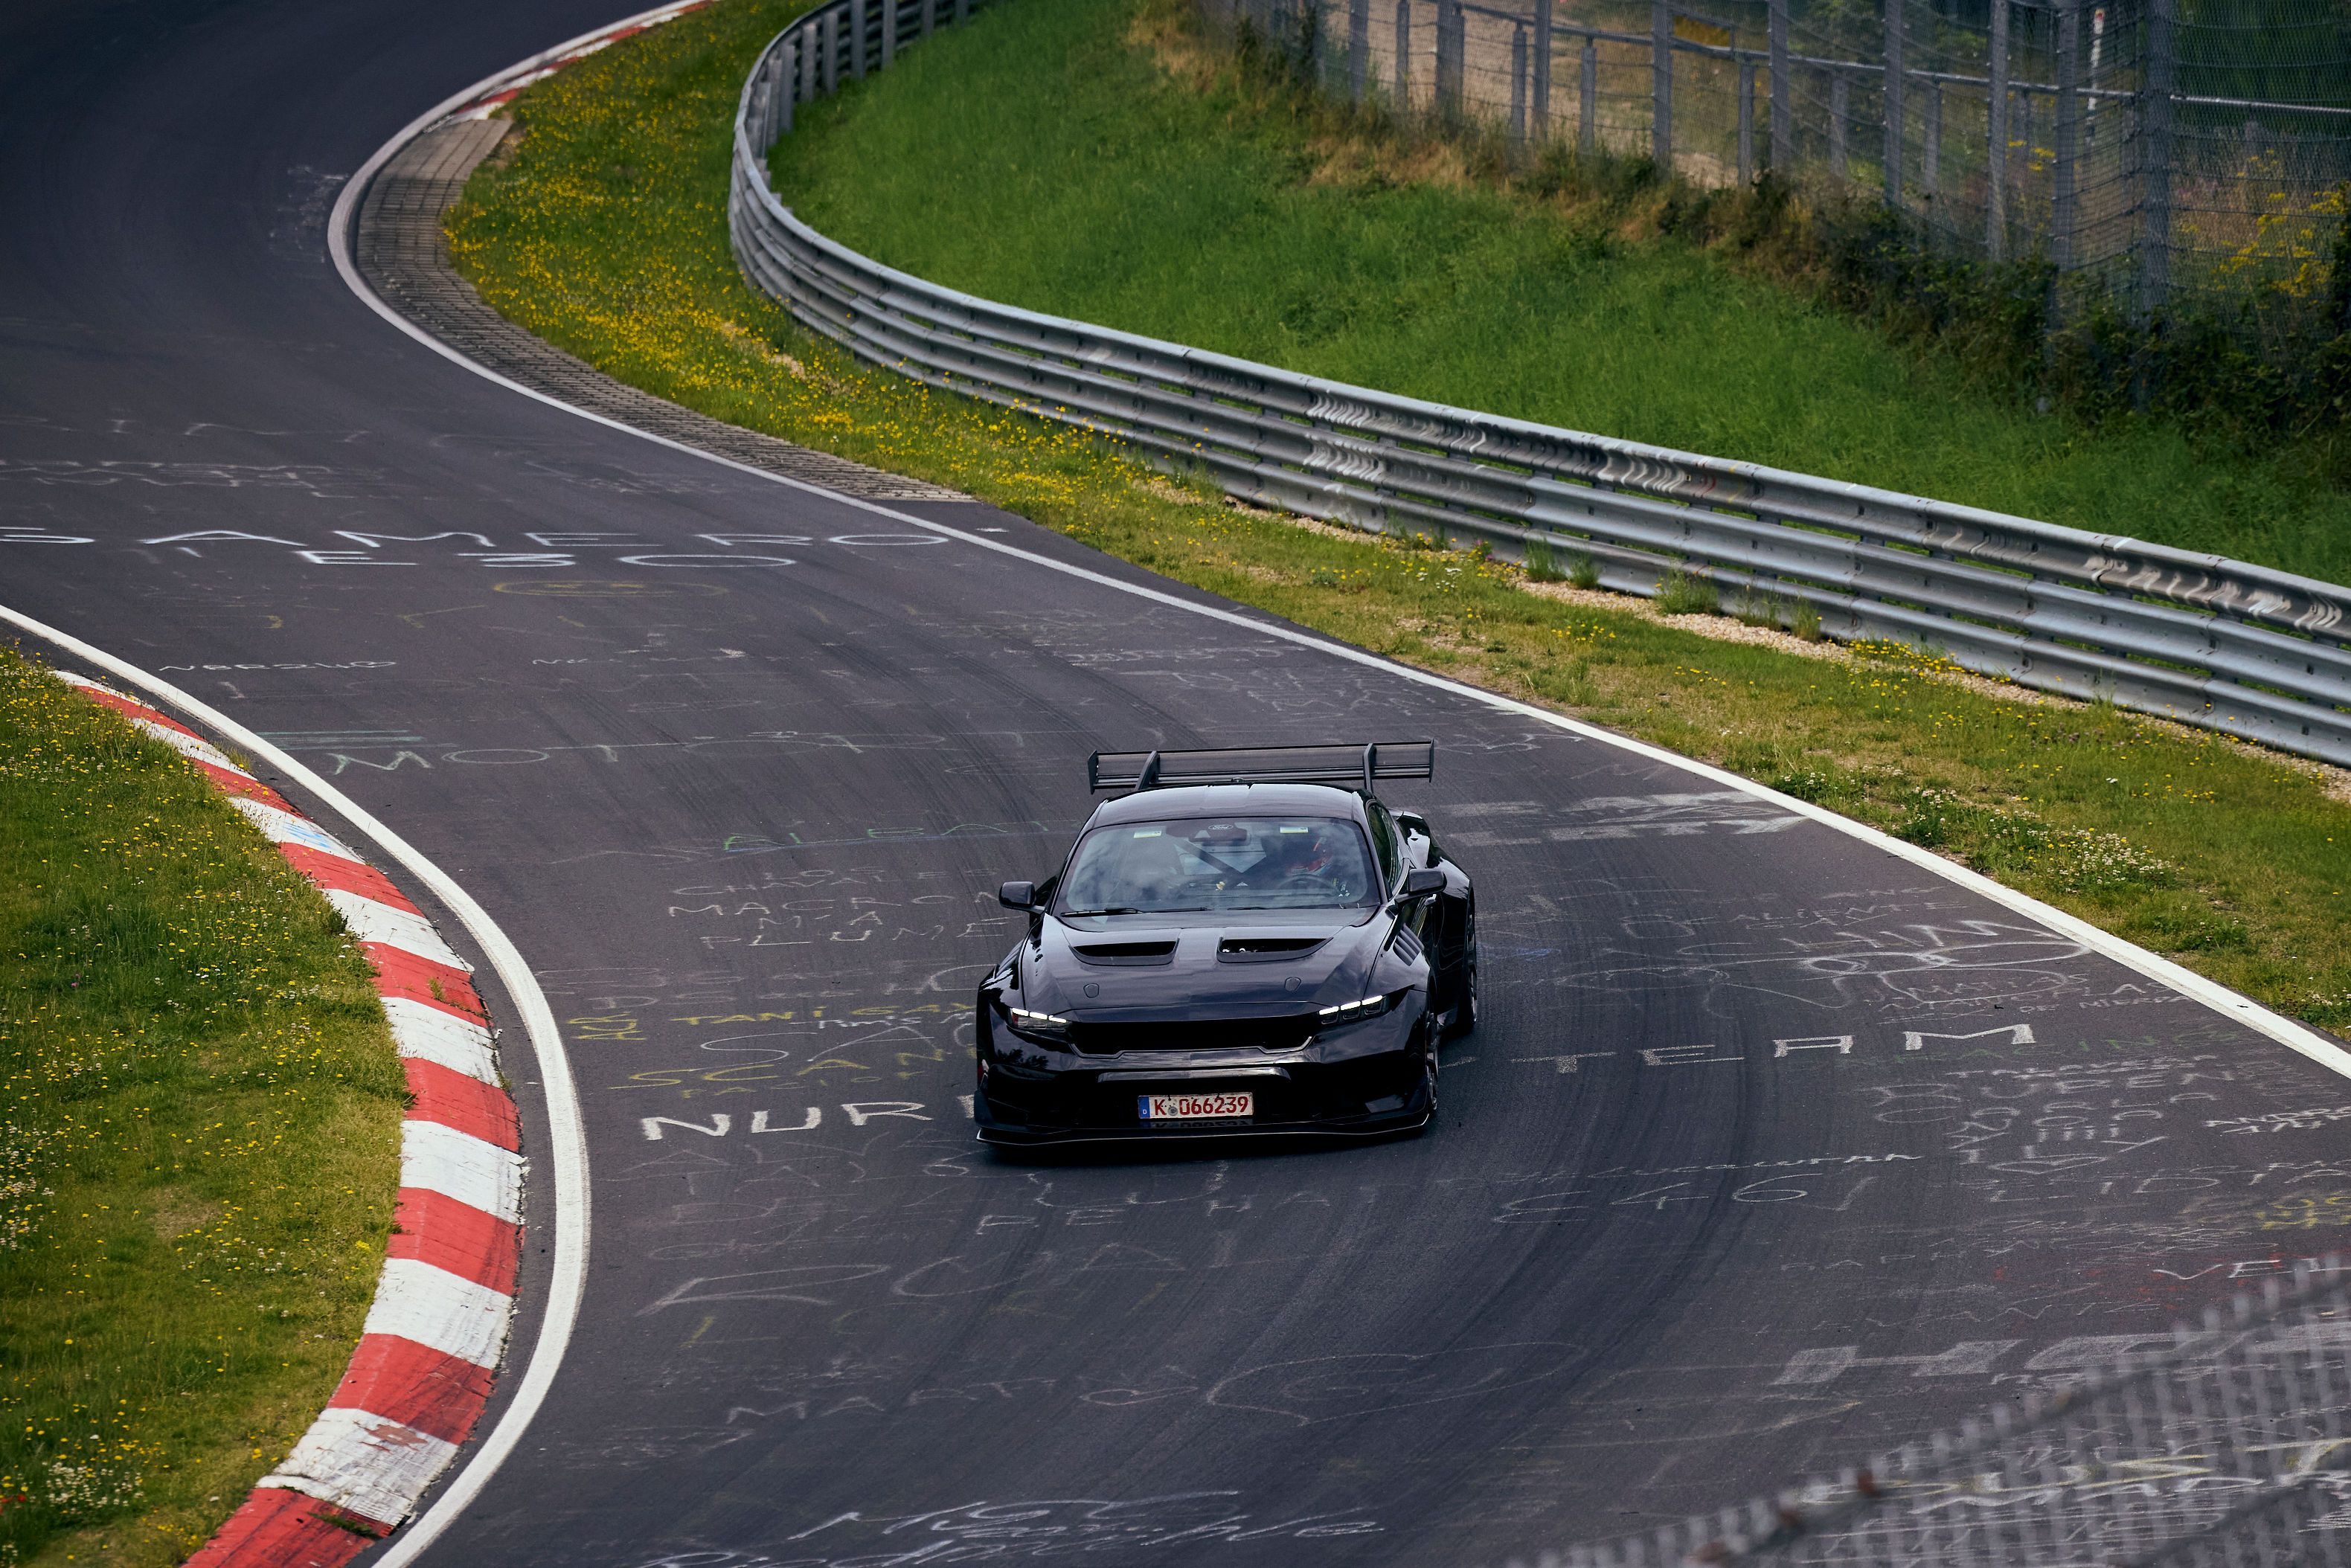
2210, 993
2294, 1036
567, 1138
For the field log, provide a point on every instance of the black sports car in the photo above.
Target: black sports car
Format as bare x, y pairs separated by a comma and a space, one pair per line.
1248, 941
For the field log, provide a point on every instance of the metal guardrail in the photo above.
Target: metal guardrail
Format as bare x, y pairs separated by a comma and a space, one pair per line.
2243, 649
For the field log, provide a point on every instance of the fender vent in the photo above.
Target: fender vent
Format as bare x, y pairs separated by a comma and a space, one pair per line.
1125, 952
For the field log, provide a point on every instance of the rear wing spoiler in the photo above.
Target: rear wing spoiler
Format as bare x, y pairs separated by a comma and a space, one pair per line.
1352, 764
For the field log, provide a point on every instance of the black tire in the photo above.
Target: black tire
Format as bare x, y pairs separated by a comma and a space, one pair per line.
1465, 1003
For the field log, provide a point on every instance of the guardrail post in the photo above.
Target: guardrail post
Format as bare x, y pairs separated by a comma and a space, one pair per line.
1894, 85
889, 32
856, 24
1404, 55
2155, 123
1661, 84
1746, 69
1359, 48
930, 17
1518, 66
1450, 30
1542, 47
1783, 108
963, 12
1840, 112
2069, 126
1997, 137
828, 80
1587, 95
788, 81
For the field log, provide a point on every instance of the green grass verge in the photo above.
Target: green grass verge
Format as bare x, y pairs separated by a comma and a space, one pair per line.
606, 232
199, 1141
1045, 158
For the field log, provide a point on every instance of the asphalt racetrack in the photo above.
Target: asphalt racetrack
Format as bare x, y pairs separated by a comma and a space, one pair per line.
1772, 1149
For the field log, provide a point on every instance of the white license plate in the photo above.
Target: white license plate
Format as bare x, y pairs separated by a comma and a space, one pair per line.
1195, 1107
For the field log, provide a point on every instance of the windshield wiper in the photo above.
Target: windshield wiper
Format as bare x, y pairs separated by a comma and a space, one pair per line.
1129, 909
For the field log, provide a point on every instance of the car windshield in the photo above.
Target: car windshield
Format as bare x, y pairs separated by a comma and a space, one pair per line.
1234, 863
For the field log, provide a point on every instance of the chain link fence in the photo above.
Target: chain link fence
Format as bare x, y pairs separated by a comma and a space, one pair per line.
2224, 1445
2165, 152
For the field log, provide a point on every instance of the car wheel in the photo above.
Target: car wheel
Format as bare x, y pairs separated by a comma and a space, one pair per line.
1465, 1003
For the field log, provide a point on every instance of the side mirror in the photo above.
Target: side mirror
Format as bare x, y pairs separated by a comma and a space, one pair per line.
1422, 881
1020, 895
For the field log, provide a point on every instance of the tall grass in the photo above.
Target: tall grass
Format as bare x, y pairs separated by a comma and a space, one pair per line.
1090, 158
199, 1130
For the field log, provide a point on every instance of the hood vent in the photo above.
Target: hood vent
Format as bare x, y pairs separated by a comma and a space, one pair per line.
1161, 952
1265, 949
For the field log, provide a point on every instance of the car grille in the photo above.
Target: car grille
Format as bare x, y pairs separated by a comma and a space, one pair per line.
1193, 1034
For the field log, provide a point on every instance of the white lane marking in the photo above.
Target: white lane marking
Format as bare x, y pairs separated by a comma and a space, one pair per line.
368, 1464
431, 1034
439, 1310
373, 921
566, 1139
437, 1158
2294, 1036
571, 1164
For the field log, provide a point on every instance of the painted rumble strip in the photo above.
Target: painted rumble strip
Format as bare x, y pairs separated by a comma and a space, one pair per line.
420, 1376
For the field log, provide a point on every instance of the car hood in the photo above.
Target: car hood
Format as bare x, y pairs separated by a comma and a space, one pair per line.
1243, 964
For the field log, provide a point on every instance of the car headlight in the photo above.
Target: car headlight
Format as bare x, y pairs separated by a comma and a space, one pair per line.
1045, 1029
1355, 1012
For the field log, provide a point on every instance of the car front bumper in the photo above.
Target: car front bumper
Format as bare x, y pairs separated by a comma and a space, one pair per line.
1362, 1096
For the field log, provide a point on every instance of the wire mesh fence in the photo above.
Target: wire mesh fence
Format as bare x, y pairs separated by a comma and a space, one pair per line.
2224, 1445
2162, 151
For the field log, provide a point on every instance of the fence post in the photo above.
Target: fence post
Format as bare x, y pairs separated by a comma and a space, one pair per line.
1404, 55
1520, 66
2069, 125
1746, 69
1451, 28
1996, 137
1840, 109
2155, 122
857, 39
1587, 95
1893, 85
1359, 48
1661, 83
1784, 109
1542, 47
1930, 171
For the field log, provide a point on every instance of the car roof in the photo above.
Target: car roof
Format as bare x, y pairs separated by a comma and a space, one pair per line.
1231, 800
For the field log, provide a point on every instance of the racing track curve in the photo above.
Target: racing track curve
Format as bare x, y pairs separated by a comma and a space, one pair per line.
1773, 1149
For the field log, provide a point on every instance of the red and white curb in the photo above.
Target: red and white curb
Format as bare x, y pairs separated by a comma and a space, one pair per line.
420, 1376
